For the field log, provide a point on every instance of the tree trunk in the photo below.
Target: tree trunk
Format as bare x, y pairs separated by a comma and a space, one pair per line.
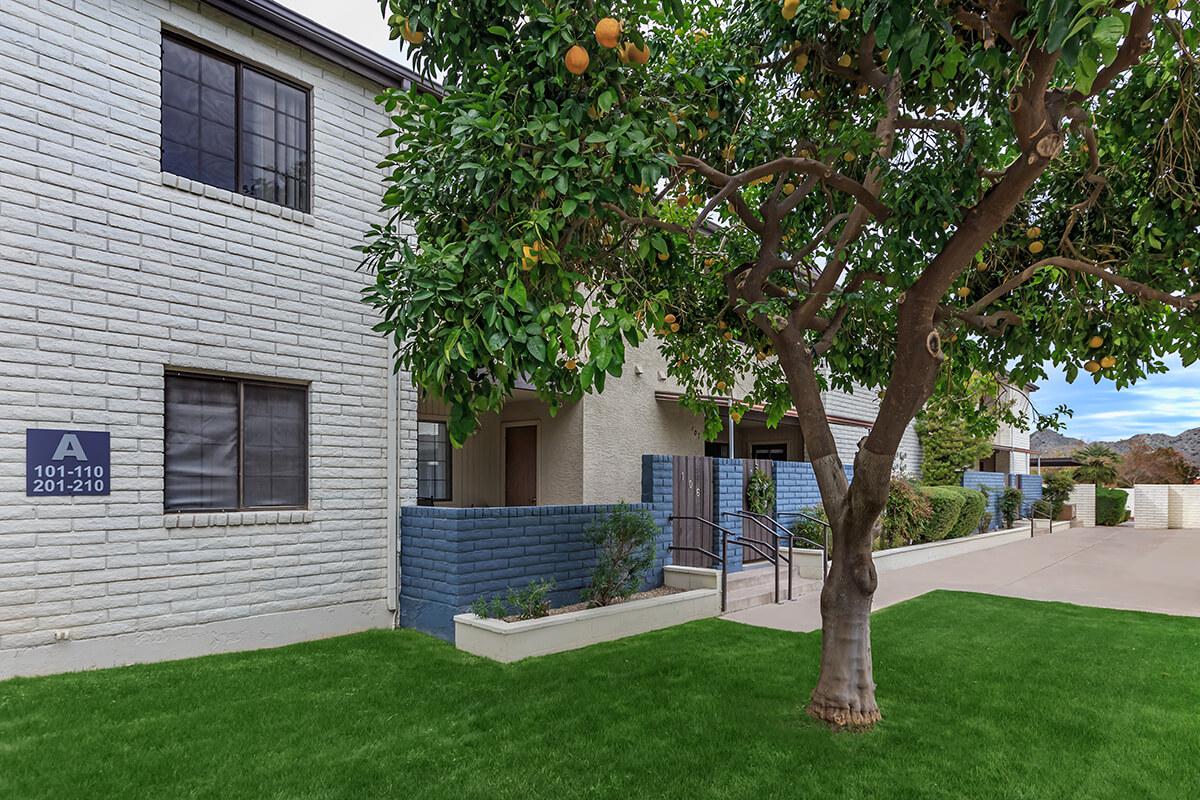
845, 693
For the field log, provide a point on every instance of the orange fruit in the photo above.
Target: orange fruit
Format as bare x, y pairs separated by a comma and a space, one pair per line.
844, 60
849, 156
635, 54
1092, 366
728, 336
1096, 341
674, 327
790, 7
682, 200
720, 386
963, 291
713, 113
669, 318
1033, 232
843, 14
608, 32
411, 35
663, 256
576, 60
1107, 362
800, 63
571, 364
1036, 246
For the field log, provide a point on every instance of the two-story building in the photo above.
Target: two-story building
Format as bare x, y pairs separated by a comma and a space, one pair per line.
202, 444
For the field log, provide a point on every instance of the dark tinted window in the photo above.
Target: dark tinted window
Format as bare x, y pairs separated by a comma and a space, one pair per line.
232, 126
233, 444
433, 461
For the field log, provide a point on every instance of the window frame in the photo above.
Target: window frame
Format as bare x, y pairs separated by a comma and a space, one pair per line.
240, 64
449, 497
241, 383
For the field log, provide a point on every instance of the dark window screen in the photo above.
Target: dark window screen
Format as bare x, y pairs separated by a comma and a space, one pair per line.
433, 461
273, 437
229, 125
201, 444
232, 444
198, 115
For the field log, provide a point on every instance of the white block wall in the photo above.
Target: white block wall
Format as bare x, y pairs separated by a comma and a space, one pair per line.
111, 271
863, 404
1083, 497
1152, 503
1183, 507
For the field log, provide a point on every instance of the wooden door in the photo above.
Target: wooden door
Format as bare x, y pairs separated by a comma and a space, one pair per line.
520, 465
750, 530
692, 494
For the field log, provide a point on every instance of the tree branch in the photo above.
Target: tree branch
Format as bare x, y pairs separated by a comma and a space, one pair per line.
1136, 288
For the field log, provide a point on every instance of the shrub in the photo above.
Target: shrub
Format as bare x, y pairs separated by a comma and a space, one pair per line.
904, 517
532, 601
1010, 505
1056, 489
1110, 506
947, 504
625, 544
488, 609
974, 504
813, 531
985, 523
760, 492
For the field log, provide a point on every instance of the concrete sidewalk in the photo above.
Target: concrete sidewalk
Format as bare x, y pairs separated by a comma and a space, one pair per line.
1141, 570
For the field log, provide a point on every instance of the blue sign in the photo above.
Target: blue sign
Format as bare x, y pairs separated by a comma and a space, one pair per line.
65, 463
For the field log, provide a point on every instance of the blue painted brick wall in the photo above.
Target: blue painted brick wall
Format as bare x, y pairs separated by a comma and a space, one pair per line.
449, 557
1031, 488
994, 483
728, 496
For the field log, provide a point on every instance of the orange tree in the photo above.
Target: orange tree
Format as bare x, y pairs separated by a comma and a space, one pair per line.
788, 196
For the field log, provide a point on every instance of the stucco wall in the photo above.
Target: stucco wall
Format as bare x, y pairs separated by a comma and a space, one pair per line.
477, 468
113, 272
626, 421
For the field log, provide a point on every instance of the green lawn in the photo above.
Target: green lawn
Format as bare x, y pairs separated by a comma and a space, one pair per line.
982, 697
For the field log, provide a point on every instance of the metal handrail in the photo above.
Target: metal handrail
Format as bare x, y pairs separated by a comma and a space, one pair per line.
823, 547
774, 561
723, 559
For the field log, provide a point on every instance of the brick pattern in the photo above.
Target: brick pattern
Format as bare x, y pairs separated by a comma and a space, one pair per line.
728, 496
1031, 491
1083, 497
1183, 507
1153, 506
112, 271
657, 486
863, 404
994, 483
450, 557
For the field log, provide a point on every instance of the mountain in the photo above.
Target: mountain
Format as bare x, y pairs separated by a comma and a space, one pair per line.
1052, 443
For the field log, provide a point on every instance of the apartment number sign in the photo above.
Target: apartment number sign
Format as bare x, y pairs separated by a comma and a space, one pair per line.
61, 463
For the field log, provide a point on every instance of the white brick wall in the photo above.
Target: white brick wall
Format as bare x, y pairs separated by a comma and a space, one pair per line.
1183, 507
111, 271
863, 404
1083, 497
1152, 503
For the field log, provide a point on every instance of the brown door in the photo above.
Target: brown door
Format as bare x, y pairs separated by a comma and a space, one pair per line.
520, 465
692, 497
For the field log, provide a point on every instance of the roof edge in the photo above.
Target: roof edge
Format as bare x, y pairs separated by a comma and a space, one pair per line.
319, 40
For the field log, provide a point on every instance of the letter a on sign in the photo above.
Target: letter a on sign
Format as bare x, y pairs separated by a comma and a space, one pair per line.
69, 446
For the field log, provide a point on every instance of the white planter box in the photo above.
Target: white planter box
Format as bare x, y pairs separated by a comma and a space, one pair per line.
513, 641
910, 556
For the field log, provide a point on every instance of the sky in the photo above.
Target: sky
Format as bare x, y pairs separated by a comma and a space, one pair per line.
1167, 403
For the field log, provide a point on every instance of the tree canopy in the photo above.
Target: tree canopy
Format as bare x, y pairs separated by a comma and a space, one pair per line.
865, 148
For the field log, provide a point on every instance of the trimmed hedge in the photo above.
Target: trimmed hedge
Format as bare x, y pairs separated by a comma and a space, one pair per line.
1110, 506
947, 503
974, 504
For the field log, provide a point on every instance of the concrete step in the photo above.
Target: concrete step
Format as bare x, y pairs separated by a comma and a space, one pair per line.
755, 586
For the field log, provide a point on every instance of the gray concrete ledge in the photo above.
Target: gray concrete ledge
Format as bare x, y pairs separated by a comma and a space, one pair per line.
249, 633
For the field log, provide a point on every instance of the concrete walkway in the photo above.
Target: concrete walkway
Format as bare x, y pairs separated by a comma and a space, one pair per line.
1142, 570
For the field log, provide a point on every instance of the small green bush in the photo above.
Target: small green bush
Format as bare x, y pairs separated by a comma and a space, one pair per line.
760, 492
1110, 506
1056, 489
625, 552
947, 504
813, 531
532, 601
1010, 505
1042, 509
974, 504
905, 516
488, 609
